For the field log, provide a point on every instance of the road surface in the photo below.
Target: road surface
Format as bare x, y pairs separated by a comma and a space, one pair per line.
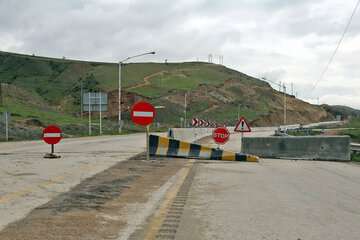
27, 180
171, 199
274, 199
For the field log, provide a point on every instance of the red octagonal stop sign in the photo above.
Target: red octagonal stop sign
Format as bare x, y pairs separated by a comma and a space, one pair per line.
52, 134
221, 135
143, 113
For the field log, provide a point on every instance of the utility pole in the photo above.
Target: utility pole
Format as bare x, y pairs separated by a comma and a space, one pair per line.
6, 126
1, 95
284, 88
81, 98
5, 114
292, 89
89, 111
100, 127
185, 105
120, 120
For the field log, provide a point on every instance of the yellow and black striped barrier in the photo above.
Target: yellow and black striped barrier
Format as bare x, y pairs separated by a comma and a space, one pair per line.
166, 147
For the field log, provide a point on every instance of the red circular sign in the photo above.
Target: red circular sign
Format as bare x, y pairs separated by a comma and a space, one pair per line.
221, 135
52, 134
143, 113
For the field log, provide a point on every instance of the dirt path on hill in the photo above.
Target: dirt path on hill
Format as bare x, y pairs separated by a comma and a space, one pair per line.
148, 77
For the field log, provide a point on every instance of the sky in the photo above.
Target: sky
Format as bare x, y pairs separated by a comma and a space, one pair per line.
287, 41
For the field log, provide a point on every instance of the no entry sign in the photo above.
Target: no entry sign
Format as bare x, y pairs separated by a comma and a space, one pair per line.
52, 134
221, 135
143, 113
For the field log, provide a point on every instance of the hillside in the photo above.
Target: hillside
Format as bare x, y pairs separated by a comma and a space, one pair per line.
344, 111
45, 90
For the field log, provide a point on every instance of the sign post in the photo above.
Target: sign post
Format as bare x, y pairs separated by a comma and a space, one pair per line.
52, 135
221, 135
143, 113
242, 126
6, 115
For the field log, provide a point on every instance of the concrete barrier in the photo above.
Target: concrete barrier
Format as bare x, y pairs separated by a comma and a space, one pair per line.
308, 147
193, 134
166, 147
190, 134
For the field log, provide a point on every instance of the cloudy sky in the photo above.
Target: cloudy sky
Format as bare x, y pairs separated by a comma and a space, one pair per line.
283, 40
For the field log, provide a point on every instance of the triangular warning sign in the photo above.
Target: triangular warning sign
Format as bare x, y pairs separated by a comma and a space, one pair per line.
242, 126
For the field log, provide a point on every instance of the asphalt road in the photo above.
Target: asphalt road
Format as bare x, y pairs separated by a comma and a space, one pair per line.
273, 199
27, 180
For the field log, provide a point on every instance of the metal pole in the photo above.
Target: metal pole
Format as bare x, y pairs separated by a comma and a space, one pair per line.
284, 104
147, 143
120, 66
119, 114
241, 141
6, 127
89, 111
52, 148
185, 111
100, 128
81, 99
1, 95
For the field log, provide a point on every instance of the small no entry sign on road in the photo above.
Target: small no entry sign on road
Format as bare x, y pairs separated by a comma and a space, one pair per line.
52, 134
143, 113
221, 135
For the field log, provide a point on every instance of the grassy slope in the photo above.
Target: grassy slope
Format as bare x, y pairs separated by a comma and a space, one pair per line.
50, 89
353, 133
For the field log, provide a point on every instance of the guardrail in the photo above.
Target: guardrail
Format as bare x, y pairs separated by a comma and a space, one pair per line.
355, 147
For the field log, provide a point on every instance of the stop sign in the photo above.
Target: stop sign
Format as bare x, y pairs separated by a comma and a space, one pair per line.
52, 134
221, 135
143, 113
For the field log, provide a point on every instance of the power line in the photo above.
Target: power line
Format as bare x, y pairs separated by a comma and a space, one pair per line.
338, 45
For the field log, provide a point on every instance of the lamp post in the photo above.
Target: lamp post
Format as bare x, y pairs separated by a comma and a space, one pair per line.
120, 68
284, 87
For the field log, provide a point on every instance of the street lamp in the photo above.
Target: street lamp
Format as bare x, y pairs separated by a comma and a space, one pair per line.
120, 64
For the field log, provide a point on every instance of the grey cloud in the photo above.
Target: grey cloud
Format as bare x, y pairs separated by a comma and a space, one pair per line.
285, 40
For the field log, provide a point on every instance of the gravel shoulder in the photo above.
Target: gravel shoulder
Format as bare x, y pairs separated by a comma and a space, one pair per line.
110, 205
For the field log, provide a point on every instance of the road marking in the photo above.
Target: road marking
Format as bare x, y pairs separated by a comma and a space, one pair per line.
143, 114
51, 135
160, 215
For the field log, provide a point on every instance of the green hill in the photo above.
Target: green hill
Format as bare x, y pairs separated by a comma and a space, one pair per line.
47, 90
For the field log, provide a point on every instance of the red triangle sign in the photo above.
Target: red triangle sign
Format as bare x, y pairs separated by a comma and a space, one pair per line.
242, 126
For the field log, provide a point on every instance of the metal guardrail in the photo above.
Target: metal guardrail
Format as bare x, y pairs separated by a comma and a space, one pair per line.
355, 147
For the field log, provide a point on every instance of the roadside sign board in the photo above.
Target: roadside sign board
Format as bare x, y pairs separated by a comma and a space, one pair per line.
207, 123
242, 126
143, 113
221, 135
52, 134
195, 122
201, 123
